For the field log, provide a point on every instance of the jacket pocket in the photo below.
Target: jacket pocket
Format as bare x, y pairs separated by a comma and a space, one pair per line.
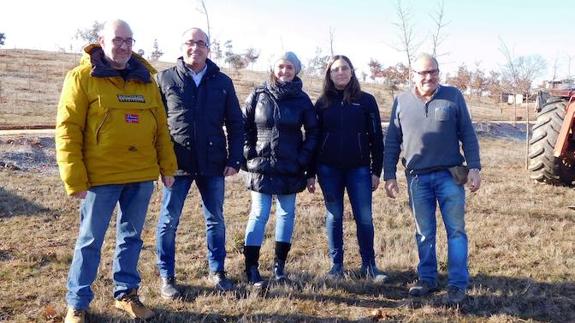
174, 96
363, 145
442, 113
217, 154
125, 121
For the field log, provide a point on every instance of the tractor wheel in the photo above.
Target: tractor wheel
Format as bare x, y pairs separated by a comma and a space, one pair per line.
543, 166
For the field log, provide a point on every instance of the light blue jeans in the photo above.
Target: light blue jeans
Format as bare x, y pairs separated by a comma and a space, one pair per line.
357, 182
212, 191
425, 192
95, 214
260, 213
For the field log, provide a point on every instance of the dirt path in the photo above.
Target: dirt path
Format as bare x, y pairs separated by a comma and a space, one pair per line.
33, 149
38, 132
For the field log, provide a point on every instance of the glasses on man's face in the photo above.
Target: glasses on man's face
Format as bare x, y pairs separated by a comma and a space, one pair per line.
343, 68
118, 41
429, 72
198, 44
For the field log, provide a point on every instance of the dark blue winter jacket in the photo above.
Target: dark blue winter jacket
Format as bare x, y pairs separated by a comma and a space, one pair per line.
350, 133
196, 116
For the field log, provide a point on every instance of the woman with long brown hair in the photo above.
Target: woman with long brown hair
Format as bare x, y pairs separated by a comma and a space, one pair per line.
350, 158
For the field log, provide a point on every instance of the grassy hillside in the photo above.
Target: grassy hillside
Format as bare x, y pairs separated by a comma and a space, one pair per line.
31, 80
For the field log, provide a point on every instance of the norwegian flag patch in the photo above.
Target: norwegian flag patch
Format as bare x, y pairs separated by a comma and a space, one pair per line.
132, 118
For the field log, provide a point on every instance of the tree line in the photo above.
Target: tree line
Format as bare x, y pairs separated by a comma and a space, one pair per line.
516, 74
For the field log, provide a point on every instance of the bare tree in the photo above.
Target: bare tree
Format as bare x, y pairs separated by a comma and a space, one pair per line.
438, 35
395, 77
90, 35
317, 65
156, 52
493, 85
216, 50
239, 61
375, 69
331, 38
569, 58
521, 70
251, 56
462, 78
2, 38
479, 81
408, 45
204, 11
555, 68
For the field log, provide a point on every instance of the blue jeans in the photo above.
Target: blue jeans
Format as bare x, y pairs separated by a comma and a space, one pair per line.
425, 192
260, 213
357, 181
95, 214
212, 192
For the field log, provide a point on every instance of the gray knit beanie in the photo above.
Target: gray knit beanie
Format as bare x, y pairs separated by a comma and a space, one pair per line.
292, 58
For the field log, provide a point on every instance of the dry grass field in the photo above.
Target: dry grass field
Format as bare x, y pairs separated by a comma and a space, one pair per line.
522, 238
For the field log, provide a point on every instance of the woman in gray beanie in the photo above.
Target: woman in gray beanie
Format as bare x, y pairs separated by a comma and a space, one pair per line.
277, 158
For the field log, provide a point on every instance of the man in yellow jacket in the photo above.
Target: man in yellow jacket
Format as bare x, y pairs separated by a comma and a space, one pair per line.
112, 142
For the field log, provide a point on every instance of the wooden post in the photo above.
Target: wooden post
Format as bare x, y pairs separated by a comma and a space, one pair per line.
527, 132
514, 110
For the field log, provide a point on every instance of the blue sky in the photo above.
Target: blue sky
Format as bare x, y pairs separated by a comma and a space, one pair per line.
363, 29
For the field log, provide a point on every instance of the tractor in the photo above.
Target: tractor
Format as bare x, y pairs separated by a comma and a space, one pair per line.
552, 144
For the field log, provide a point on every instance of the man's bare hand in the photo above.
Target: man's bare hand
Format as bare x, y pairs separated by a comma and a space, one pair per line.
311, 185
168, 181
80, 195
391, 188
474, 180
374, 182
230, 171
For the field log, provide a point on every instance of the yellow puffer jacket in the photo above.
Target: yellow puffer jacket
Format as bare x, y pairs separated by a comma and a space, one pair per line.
110, 130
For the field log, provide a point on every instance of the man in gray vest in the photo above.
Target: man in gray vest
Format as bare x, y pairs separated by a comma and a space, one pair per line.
429, 122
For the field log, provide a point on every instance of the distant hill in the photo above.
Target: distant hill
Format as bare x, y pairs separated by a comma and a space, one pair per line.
31, 81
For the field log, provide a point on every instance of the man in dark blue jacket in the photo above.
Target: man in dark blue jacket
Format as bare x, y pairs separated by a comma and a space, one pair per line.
200, 100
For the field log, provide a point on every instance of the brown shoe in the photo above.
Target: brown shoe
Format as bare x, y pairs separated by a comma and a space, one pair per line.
131, 304
75, 316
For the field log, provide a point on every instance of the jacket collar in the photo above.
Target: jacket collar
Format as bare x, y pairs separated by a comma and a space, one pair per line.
137, 69
211, 67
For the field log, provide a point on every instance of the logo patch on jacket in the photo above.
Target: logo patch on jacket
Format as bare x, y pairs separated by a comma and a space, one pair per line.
132, 118
131, 98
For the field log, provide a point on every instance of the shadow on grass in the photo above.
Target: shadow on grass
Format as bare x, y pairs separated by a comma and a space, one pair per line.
13, 205
186, 316
521, 298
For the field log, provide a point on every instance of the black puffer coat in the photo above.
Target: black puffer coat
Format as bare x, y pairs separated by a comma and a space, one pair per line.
276, 150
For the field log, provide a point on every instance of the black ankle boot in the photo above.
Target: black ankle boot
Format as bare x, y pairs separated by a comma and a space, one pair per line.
252, 255
282, 249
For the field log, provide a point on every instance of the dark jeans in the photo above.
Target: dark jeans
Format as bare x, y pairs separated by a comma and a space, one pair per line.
357, 182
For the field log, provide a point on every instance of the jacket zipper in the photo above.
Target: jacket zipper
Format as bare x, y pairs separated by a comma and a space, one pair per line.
341, 127
324, 141
359, 144
100, 126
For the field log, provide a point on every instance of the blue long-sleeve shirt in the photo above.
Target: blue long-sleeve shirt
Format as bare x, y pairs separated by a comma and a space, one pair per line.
430, 134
